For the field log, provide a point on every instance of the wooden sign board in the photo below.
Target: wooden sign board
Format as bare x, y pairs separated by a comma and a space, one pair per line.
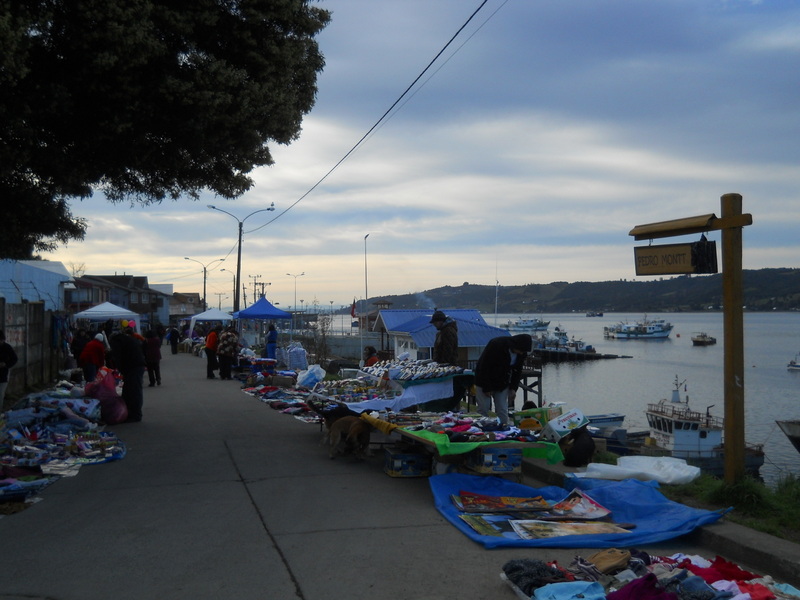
676, 259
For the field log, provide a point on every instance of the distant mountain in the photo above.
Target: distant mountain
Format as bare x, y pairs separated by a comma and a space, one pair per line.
764, 290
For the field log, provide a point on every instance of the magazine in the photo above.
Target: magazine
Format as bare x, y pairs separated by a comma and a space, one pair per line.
490, 524
579, 506
471, 502
535, 529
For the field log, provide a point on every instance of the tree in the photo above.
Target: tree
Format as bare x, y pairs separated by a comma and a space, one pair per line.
144, 100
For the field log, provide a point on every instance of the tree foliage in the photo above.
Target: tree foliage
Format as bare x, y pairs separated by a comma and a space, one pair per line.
144, 100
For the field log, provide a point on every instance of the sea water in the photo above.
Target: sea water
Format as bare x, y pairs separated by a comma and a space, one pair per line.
627, 385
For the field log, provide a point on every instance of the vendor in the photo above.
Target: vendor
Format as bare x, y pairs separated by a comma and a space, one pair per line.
370, 356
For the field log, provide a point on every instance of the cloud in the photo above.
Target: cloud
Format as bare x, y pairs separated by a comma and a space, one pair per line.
539, 140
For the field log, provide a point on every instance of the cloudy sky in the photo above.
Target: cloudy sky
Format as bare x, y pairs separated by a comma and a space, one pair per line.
543, 134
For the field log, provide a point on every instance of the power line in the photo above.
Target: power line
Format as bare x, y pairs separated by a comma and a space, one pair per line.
380, 120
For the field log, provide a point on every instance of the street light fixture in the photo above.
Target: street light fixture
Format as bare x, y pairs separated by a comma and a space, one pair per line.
239, 255
233, 276
294, 306
205, 276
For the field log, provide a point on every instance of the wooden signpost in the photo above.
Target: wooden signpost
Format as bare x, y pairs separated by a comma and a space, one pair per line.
667, 260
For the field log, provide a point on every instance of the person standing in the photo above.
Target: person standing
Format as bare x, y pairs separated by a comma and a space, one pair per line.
445, 351
78, 344
8, 358
174, 337
152, 357
227, 351
498, 373
129, 360
370, 356
93, 357
212, 341
445, 346
272, 342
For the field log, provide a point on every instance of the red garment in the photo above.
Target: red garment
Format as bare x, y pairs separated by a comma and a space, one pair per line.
731, 571
643, 588
756, 590
94, 353
371, 360
212, 340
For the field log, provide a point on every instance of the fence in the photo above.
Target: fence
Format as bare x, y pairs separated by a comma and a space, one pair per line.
39, 337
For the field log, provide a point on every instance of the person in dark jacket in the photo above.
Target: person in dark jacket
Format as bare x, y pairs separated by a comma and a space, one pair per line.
8, 358
498, 373
152, 357
445, 346
129, 360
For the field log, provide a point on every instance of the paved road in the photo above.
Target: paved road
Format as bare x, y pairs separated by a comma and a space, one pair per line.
220, 497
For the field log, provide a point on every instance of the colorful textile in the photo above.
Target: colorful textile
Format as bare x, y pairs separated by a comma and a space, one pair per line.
543, 450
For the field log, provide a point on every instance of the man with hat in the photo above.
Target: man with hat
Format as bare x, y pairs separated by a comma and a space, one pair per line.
445, 351
498, 373
445, 347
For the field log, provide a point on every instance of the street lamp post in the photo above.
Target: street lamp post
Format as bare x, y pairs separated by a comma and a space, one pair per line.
294, 306
205, 276
239, 253
233, 276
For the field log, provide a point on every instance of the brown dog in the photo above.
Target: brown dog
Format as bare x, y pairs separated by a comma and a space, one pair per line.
349, 435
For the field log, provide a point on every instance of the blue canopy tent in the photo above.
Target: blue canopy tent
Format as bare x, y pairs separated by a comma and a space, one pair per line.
262, 309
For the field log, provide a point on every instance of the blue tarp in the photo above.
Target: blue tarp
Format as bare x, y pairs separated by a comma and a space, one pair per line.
631, 501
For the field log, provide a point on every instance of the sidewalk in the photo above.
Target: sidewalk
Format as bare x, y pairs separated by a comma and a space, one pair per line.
220, 496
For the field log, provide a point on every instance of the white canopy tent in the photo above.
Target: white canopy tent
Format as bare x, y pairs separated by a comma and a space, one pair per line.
212, 314
106, 311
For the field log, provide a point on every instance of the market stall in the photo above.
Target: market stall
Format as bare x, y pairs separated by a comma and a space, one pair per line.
107, 311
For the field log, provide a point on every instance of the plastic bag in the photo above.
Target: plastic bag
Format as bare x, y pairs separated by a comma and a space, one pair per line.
310, 377
663, 469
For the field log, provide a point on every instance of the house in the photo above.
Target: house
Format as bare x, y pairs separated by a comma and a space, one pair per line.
183, 306
44, 281
411, 331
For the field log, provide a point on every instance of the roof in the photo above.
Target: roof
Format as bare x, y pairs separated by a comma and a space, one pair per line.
473, 331
391, 319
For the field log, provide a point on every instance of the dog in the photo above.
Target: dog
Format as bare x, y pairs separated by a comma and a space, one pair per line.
349, 435
578, 448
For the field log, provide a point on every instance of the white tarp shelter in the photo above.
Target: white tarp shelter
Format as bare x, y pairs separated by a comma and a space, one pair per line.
212, 314
106, 311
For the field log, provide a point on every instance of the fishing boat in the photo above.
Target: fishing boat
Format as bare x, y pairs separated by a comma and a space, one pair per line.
526, 325
793, 365
703, 339
791, 430
646, 329
593, 313
678, 431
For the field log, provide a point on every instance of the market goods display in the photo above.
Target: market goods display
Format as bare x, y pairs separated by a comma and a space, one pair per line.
411, 370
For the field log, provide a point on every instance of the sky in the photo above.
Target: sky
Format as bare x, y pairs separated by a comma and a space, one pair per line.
540, 137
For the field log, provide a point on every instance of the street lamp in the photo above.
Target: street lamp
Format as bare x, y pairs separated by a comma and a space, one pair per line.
239, 255
233, 276
205, 275
295, 300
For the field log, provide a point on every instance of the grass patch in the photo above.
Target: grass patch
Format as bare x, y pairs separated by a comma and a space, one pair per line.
770, 510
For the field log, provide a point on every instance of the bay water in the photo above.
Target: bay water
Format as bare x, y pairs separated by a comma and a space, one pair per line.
627, 385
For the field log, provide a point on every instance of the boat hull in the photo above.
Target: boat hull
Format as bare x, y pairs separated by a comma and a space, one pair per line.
791, 430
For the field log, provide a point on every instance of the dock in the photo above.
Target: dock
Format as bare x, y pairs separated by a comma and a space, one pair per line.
547, 355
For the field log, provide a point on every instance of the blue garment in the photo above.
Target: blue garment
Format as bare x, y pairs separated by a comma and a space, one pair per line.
570, 590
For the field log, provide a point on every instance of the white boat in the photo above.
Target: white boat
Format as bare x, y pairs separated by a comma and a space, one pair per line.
641, 330
793, 365
703, 339
677, 430
526, 325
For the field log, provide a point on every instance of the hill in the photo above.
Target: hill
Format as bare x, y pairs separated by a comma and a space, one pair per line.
764, 290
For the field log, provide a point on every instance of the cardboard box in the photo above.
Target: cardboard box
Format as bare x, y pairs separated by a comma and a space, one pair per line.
563, 425
405, 463
541, 416
495, 459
